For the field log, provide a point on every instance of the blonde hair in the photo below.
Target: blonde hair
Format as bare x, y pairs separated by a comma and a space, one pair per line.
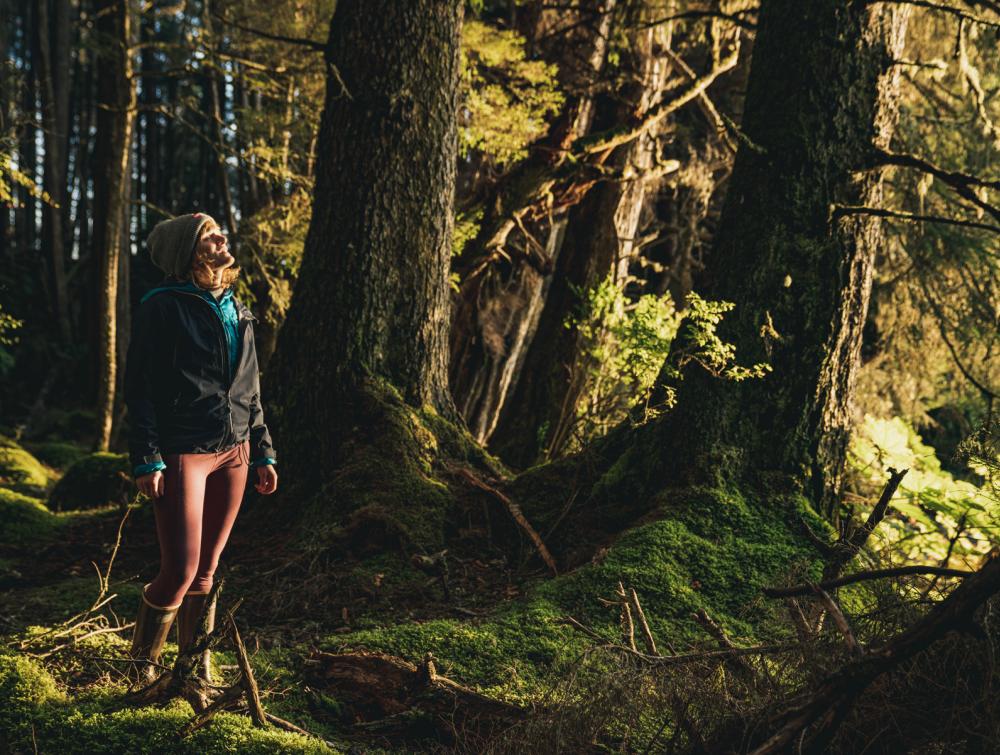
201, 272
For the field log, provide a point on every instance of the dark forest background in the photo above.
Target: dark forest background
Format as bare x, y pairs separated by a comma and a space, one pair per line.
555, 301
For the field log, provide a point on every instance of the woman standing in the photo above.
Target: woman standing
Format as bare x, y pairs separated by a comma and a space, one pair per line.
196, 424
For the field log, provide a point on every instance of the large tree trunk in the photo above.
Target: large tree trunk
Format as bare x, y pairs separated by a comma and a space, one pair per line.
371, 298
116, 97
819, 98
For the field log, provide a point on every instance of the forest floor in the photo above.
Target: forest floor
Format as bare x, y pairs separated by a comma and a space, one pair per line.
497, 624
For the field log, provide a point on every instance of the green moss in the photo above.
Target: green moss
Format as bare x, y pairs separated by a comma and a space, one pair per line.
706, 549
21, 471
36, 716
57, 454
23, 519
94, 481
387, 489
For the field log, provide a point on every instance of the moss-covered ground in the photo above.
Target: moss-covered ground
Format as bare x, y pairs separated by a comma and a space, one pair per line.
345, 585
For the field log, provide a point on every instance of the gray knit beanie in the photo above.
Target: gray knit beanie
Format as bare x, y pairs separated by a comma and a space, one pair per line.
171, 243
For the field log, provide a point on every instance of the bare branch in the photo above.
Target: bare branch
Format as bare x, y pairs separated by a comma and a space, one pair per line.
837, 211
897, 571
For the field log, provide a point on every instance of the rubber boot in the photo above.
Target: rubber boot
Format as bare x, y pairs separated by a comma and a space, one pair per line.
152, 624
188, 616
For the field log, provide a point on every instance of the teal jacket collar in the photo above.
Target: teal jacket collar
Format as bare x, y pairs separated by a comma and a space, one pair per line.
169, 285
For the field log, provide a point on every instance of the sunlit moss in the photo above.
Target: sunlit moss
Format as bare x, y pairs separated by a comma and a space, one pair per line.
21, 471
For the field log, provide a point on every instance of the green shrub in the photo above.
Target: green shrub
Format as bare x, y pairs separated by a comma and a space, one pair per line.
94, 481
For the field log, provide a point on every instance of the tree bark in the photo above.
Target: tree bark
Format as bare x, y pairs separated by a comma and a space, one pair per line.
499, 305
116, 97
598, 242
52, 28
820, 97
371, 298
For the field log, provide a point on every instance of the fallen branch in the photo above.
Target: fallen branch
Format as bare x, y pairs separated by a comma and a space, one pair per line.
862, 576
515, 512
812, 718
840, 620
382, 691
248, 682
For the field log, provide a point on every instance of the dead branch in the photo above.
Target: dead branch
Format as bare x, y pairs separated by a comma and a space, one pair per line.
647, 635
383, 690
628, 626
613, 137
811, 719
515, 512
850, 545
837, 211
839, 619
247, 680
862, 576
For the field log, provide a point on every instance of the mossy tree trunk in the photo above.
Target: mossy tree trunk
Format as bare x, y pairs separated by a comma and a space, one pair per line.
820, 95
371, 297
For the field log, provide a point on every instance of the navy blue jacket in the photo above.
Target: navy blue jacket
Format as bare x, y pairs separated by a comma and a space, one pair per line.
183, 391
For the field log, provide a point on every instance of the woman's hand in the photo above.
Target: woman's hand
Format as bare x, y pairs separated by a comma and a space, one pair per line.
267, 479
151, 485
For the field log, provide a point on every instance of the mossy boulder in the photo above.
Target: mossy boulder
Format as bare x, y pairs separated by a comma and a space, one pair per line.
57, 454
95, 480
23, 519
21, 471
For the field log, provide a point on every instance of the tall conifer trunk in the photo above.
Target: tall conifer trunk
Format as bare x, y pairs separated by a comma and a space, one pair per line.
116, 96
371, 298
820, 96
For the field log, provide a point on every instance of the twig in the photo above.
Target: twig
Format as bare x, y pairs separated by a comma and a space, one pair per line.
839, 619
647, 635
249, 683
628, 627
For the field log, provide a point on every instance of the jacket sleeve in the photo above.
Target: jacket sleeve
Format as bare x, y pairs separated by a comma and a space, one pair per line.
140, 372
261, 449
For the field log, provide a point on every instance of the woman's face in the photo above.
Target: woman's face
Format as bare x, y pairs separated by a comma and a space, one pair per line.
213, 249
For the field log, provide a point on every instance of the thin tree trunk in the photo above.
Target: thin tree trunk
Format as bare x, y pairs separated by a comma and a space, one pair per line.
116, 94
53, 74
371, 298
498, 310
599, 242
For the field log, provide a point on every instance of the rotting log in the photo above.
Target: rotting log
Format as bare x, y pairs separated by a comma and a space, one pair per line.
382, 690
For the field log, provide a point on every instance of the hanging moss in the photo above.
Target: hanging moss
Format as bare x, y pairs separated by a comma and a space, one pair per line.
94, 481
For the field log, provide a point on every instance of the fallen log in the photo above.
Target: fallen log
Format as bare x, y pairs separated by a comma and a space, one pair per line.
383, 691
